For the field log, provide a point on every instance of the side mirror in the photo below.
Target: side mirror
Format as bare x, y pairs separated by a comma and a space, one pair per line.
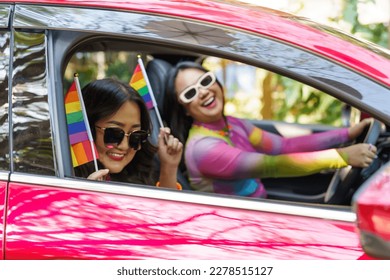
372, 207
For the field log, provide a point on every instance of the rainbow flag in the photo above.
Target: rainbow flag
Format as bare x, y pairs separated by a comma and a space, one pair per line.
80, 143
139, 83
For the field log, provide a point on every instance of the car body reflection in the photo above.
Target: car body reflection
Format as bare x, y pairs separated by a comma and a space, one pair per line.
113, 226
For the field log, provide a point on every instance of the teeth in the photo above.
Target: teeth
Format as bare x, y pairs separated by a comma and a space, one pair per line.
208, 102
116, 155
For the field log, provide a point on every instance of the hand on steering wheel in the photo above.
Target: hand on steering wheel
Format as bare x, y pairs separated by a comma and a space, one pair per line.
359, 155
345, 181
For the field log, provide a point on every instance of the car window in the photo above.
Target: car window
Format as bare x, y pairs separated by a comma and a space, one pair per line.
32, 139
4, 120
251, 92
278, 85
100, 64
258, 94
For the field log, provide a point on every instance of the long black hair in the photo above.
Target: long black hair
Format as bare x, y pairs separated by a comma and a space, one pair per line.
102, 98
173, 112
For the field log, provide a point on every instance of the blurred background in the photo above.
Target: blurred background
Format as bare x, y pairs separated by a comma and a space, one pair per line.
280, 98
366, 19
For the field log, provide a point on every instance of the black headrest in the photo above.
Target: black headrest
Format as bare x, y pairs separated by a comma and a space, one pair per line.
157, 71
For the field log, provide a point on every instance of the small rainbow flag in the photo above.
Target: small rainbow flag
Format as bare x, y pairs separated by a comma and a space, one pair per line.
138, 82
81, 145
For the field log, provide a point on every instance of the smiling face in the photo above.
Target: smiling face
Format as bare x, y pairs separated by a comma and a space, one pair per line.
207, 106
128, 118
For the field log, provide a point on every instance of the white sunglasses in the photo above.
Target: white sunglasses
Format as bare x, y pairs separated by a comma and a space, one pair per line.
205, 81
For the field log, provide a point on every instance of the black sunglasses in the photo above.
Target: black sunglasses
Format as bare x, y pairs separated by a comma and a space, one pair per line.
114, 136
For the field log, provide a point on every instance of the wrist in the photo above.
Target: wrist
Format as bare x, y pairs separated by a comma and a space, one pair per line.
178, 185
343, 155
168, 168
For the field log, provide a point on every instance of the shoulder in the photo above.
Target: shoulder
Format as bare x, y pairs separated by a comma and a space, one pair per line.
200, 148
198, 132
202, 139
238, 122
241, 126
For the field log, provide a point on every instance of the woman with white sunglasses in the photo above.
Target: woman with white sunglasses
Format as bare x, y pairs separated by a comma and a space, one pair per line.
227, 155
120, 125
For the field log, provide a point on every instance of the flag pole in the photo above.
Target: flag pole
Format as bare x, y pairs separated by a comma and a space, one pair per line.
141, 64
90, 138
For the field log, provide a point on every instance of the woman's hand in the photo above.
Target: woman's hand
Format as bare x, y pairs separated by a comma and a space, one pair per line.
99, 175
356, 130
170, 150
359, 155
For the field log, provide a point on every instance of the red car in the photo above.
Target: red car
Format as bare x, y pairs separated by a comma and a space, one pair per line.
47, 213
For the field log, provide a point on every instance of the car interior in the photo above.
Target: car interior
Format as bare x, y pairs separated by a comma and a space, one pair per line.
327, 187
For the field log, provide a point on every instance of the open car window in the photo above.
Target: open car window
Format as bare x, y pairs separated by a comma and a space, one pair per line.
270, 100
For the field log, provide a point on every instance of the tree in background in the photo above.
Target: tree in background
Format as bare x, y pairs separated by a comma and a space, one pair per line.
296, 102
377, 33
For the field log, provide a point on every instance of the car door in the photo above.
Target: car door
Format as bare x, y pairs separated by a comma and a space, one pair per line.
5, 11
66, 219
51, 215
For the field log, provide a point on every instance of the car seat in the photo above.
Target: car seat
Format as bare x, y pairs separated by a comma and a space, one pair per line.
157, 71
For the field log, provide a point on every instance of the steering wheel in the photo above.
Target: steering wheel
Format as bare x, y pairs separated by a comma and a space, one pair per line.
346, 180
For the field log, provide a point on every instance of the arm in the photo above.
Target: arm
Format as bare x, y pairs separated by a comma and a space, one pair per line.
356, 130
216, 159
274, 144
170, 150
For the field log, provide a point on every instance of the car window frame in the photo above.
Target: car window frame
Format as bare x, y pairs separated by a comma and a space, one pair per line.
101, 23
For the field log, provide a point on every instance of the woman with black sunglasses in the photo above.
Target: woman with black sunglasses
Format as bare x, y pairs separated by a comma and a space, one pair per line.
120, 125
228, 155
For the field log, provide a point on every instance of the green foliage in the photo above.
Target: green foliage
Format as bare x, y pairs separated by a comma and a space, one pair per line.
296, 102
299, 103
376, 33
119, 70
116, 65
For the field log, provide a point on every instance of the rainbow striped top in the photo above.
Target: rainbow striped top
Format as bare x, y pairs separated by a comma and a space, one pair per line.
235, 163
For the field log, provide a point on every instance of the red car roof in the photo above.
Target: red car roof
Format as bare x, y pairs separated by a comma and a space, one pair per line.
268, 22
